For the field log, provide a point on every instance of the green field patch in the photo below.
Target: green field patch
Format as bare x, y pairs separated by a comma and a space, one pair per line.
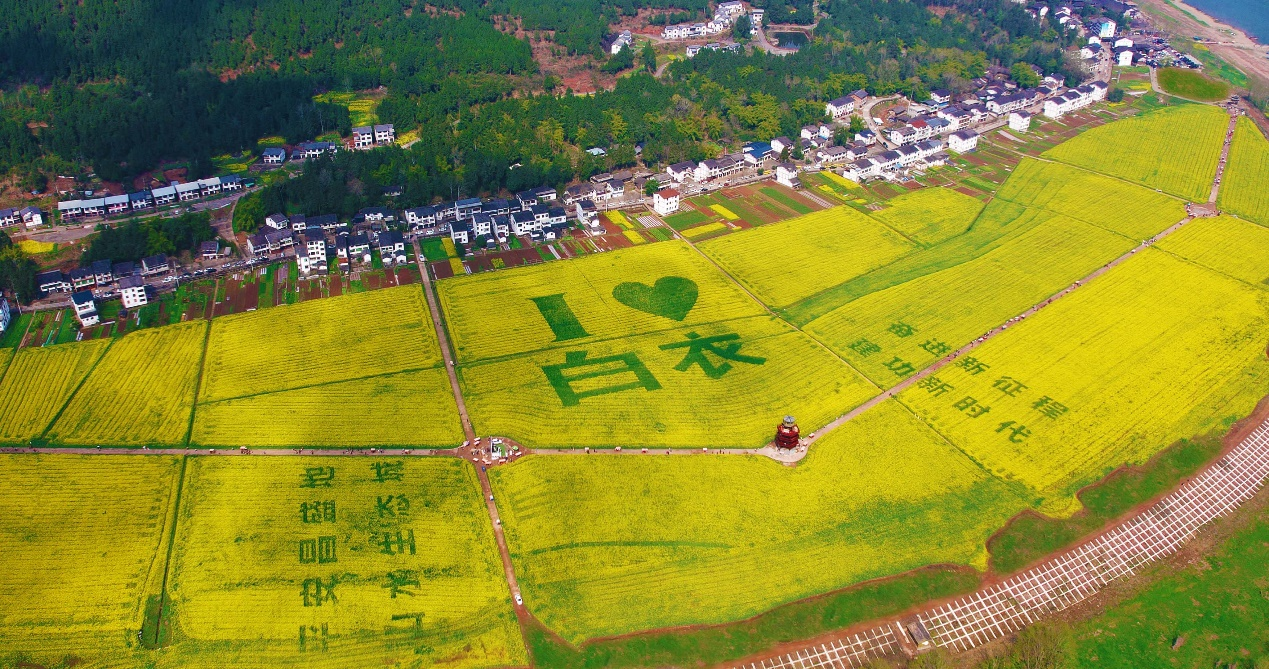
686, 219
1191, 84
930, 215
1174, 149
785, 200
433, 249
715, 566
1204, 612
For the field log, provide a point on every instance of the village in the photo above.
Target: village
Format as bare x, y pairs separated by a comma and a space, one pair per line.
853, 141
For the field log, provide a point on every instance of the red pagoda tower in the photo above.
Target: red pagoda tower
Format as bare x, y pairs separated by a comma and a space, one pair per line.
787, 433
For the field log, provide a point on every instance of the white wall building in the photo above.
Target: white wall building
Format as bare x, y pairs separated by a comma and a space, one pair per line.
665, 201
962, 141
1020, 120
132, 292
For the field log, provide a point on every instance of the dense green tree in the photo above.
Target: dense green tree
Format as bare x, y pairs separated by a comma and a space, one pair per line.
649, 56
1024, 76
17, 271
137, 239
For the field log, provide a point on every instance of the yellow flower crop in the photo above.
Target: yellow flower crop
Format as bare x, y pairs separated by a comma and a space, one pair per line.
608, 544
140, 392
684, 405
352, 336
346, 562
930, 215
891, 334
784, 262
1245, 191
1228, 245
501, 313
1156, 350
82, 542
409, 409
38, 383
1174, 149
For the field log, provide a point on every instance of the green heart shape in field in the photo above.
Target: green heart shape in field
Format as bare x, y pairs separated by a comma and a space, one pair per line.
671, 296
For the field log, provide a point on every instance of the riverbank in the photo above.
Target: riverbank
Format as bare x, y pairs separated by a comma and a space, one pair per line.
1231, 43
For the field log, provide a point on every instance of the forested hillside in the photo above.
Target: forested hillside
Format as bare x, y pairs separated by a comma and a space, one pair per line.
127, 84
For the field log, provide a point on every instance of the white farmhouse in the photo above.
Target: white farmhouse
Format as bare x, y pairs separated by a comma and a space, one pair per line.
1020, 120
787, 175
665, 201
132, 292
962, 141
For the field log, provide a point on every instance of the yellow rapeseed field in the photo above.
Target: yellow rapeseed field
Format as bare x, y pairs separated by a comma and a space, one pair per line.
1174, 149
609, 544
892, 333
411, 409
38, 382
1112, 204
840, 180
36, 247
1244, 190
1156, 350
140, 392
930, 215
621, 293
724, 212
652, 390
702, 230
634, 237
320, 341
784, 262
1226, 244
338, 562
81, 541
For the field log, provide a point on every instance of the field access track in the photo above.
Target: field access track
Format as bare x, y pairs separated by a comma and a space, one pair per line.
1069, 578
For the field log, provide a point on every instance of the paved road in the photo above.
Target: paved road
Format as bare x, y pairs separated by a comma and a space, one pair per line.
876, 128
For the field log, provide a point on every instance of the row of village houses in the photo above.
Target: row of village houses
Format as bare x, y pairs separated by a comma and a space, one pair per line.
363, 137
128, 277
725, 14
148, 199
